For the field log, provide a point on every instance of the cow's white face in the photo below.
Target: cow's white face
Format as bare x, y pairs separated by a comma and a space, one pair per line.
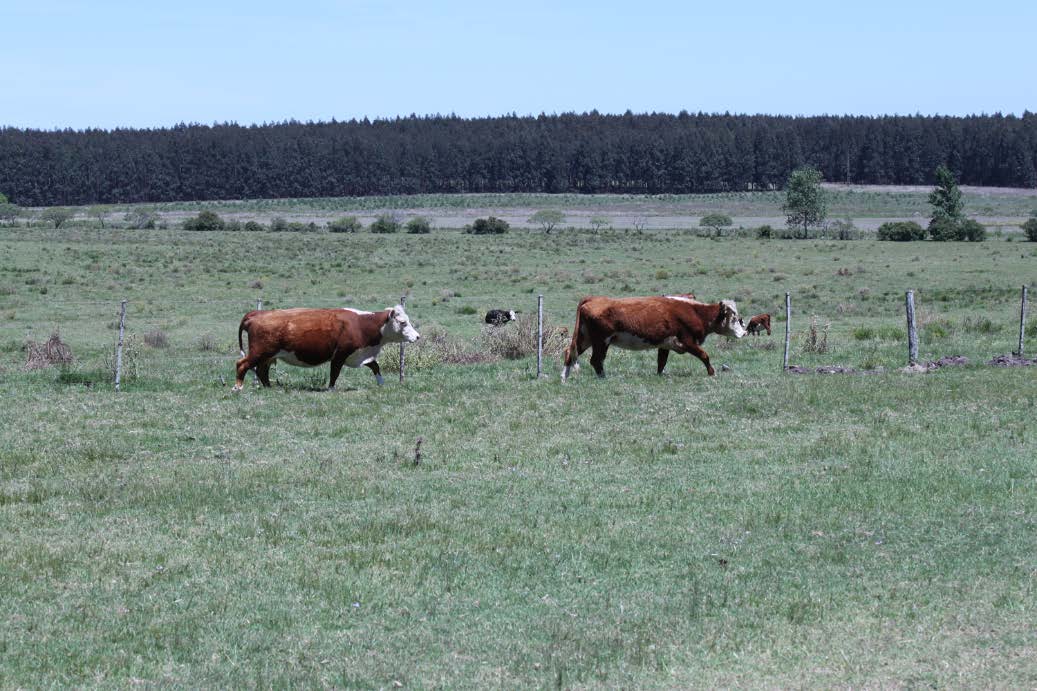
398, 328
730, 323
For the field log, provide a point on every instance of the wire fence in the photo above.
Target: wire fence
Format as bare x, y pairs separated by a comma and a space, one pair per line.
145, 321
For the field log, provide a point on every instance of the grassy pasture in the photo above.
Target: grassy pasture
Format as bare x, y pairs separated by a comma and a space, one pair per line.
751, 529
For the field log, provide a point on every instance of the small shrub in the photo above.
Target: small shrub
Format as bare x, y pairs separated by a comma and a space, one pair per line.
346, 224
156, 339
816, 338
520, 341
765, 232
207, 343
467, 309
488, 226
205, 221
982, 325
419, 225
141, 219
385, 223
278, 224
233, 225
715, 221
662, 275
47, 354
901, 231
973, 231
253, 227
1030, 228
257, 284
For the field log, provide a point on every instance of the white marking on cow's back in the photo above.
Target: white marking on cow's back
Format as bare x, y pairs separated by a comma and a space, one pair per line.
362, 356
355, 311
291, 359
682, 298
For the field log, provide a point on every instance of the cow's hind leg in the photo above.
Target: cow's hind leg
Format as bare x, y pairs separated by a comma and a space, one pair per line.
376, 370
664, 355
572, 354
263, 372
336, 367
242, 367
598, 352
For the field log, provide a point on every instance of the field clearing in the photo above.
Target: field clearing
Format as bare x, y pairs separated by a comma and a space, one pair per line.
751, 529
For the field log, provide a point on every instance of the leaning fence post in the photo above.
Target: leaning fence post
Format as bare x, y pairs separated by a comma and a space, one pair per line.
912, 331
403, 301
540, 335
788, 330
1022, 322
118, 347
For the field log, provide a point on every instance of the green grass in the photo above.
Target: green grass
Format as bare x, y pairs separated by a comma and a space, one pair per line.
752, 529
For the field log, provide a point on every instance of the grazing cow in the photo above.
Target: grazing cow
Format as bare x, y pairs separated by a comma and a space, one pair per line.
759, 323
499, 317
311, 337
668, 322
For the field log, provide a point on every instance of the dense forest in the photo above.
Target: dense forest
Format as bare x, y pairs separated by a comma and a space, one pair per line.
651, 153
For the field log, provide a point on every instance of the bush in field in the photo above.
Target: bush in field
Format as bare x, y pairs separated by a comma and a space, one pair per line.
419, 225
973, 231
764, 232
488, 226
206, 220
346, 224
1030, 228
519, 339
156, 339
901, 231
141, 219
9, 212
547, 219
715, 221
278, 224
385, 224
56, 215
253, 226
233, 225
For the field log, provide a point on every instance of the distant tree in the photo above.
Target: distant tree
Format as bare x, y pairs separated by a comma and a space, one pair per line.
488, 226
716, 222
901, 231
346, 224
56, 215
253, 226
98, 212
972, 230
419, 225
3, 198
9, 212
805, 203
547, 219
946, 197
205, 221
278, 224
1030, 228
599, 222
141, 219
386, 223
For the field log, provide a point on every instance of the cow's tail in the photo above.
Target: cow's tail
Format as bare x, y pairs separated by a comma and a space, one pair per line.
572, 351
242, 327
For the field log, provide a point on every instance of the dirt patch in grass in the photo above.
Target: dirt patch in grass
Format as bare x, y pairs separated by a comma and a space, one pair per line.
1012, 361
929, 366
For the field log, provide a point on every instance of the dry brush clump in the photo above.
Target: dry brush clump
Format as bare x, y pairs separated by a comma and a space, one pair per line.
51, 352
436, 347
156, 339
518, 339
815, 340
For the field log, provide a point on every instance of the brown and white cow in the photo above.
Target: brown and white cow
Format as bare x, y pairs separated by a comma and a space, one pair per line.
311, 337
759, 323
664, 323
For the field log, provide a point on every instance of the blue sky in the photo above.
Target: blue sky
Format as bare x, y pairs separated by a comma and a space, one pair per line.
148, 64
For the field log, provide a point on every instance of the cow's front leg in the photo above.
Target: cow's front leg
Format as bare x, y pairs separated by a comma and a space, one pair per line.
373, 366
664, 355
696, 350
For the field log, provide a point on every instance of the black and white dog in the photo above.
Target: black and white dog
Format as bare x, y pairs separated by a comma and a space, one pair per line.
500, 317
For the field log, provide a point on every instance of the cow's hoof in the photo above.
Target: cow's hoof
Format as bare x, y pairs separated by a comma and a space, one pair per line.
378, 378
236, 388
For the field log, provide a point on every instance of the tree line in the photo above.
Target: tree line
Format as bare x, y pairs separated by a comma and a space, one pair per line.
581, 153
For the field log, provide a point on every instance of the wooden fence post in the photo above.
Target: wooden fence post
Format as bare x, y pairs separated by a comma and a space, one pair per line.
540, 335
403, 301
912, 330
1022, 322
259, 304
118, 347
788, 330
